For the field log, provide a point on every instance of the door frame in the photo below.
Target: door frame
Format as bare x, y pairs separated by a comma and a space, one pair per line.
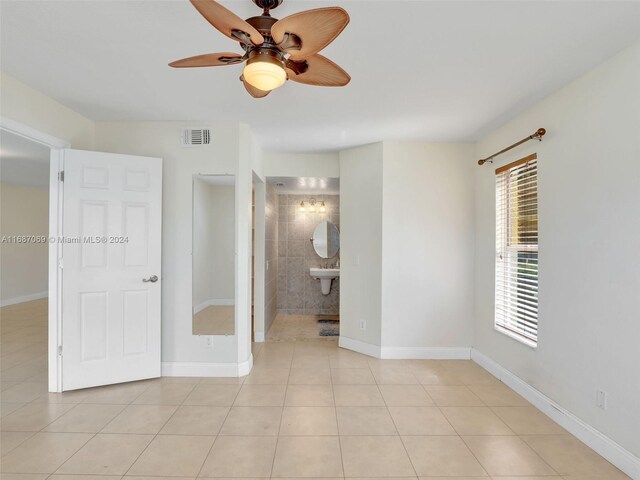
56, 163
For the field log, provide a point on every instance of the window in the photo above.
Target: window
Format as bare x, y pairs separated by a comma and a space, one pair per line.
516, 312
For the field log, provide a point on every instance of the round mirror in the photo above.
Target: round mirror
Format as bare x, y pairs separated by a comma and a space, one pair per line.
326, 240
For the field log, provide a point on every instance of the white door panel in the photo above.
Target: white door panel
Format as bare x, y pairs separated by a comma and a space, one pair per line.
111, 317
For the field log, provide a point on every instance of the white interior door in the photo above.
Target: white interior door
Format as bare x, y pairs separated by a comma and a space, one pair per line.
111, 280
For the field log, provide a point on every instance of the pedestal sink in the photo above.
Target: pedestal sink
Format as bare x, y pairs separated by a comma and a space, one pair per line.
325, 275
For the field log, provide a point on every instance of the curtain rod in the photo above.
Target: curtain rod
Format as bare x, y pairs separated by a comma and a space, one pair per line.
538, 135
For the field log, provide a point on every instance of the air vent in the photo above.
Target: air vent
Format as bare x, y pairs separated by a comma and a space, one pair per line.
195, 137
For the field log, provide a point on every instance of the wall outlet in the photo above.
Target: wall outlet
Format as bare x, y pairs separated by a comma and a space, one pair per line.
267, 266
207, 341
363, 324
601, 399
356, 260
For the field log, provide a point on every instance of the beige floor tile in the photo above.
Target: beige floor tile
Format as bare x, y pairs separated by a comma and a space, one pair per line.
252, 421
498, 396
277, 360
309, 421
8, 408
310, 376
453, 396
372, 456
85, 418
221, 380
240, 457
352, 376
115, 394
405, 396
393, 376
173, 455
166, 394
310, 361
261, 396
75, 396
309, 396
213, 395
268, 376
443, 455
507, 455
107, 454
420, 421
528, 421
43, 452
475, 421
195, 420
308, 457
430, 375
26, 476
144, 419
89, 477
347, 359
10, 440
365, 421
569, 456
358, 396
23, 392
33, 417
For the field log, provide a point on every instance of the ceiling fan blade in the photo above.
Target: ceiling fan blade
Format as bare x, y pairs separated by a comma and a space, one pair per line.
226, 21
208, 60
253, 91
321, 72
316, 28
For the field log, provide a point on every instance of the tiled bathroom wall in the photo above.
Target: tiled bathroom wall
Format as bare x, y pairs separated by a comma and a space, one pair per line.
298, 293
271, 255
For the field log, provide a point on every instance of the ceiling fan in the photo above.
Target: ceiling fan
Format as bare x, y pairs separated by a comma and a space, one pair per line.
275, 50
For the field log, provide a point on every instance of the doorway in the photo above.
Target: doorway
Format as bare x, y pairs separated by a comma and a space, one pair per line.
24, 264
303, 242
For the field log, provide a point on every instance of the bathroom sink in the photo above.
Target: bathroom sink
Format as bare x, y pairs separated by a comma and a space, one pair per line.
325, 275
324, 272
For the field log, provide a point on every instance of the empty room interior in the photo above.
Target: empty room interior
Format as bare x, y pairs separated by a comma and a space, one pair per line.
365, 239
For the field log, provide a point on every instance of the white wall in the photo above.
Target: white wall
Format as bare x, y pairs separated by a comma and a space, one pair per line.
589, 208
162, 139
21, 103
427, 245
24, 266
302, 165
361, 173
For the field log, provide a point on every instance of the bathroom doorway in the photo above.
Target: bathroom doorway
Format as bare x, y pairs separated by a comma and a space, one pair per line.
302, 246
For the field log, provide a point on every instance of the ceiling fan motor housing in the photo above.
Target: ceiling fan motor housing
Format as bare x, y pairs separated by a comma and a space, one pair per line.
267, 4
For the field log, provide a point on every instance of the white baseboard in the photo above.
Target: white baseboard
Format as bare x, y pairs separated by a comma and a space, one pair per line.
358, 346
258, 337
210, 303
188, 369
427, 353
600, 443
24, 298
406, 353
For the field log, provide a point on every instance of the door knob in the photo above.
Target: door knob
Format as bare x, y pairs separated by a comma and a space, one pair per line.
152, 279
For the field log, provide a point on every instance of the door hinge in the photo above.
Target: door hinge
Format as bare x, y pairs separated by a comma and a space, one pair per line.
59, 350
61, 175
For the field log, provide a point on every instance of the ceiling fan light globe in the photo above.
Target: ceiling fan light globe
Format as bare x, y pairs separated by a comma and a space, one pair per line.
265, 76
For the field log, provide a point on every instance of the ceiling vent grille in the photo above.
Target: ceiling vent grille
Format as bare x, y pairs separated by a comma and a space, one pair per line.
196, 137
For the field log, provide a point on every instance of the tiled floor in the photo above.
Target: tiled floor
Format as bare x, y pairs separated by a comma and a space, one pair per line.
291, 328
308, 409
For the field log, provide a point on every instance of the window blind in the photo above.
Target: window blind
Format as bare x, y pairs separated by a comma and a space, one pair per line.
516, 292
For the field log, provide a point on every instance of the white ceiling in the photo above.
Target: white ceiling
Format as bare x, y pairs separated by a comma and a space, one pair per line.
422, 70
306, 185
22, 161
